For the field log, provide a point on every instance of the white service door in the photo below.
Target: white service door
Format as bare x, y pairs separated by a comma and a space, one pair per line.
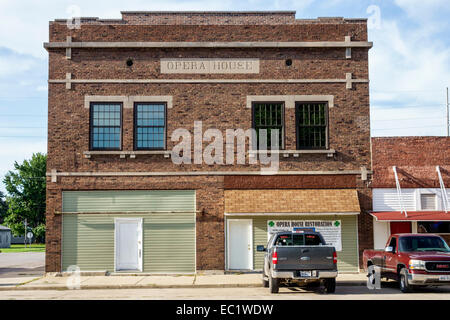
129, 244
240, 251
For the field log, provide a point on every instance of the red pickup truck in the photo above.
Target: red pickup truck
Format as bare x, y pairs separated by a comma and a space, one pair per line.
413, 260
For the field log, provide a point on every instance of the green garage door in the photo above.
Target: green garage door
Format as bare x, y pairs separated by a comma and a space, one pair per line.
168, 228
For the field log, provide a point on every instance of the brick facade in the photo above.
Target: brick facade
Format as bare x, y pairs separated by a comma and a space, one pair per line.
218, 105
416, 159
288, 200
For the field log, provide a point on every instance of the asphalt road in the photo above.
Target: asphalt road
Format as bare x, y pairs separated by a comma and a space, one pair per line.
389, 291
21, 264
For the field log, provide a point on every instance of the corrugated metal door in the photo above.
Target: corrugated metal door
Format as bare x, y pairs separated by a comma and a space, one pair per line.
168, 228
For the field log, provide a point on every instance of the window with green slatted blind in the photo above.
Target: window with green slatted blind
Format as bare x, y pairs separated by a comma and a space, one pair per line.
312, 125
269, 116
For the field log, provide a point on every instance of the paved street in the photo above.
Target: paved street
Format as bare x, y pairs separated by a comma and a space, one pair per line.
22, 264
389, 292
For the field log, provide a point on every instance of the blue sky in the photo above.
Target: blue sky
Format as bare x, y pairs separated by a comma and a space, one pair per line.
409, 63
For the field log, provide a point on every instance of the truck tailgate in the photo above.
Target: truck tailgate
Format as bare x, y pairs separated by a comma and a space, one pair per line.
305, 258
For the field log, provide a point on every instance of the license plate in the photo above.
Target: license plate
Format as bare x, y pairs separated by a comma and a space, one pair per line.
444, 278
305, 273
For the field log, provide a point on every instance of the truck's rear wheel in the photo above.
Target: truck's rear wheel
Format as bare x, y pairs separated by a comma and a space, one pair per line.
273, 284
405, 287
330, 285
265, 281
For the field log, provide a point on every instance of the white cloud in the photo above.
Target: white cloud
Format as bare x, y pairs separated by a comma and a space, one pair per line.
292, 4
12, 63
24, 24
409, 69
409, 64
423, 9
42, 88
402, 61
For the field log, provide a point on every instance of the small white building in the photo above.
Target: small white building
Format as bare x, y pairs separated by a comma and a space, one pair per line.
409, 187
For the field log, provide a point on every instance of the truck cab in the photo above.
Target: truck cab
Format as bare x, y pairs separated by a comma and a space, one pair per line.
412, 260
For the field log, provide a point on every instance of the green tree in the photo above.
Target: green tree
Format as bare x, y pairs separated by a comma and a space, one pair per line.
3, 207
25, 186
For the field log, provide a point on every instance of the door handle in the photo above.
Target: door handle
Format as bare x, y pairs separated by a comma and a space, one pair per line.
140, 253
305, 258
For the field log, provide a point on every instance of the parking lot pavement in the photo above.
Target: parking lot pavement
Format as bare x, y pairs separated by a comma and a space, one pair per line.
22, 264
389, 291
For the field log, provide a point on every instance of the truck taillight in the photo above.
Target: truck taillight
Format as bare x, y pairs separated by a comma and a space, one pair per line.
274, 258
334, 257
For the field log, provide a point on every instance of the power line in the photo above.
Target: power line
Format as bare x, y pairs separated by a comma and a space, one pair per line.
23, 115
399, 128
400, 106
23, 127
20, 98
23, 136
395, 91
405, 119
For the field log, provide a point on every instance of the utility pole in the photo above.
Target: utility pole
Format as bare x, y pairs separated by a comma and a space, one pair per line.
448, 119
25, 235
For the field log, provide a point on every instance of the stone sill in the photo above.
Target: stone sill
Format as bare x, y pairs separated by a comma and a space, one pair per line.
286, 153
132, 154
124, 154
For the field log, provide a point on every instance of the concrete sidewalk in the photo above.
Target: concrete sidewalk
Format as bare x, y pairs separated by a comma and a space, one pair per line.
152, 281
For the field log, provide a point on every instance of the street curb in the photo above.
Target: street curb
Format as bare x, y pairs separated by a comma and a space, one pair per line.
201, 286
134, 287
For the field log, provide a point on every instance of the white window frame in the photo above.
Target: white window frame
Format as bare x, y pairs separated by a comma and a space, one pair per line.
436, 206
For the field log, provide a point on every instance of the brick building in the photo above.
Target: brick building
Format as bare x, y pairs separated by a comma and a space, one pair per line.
119, 89
419, 202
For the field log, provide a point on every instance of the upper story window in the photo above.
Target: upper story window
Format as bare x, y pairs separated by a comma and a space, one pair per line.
312, 125
150, 126
269, 116
428, 201
106, 123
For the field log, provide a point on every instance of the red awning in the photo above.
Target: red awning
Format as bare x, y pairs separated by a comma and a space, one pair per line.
412, 216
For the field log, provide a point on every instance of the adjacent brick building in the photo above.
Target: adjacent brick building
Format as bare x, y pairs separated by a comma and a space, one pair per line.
118, 90
419, 202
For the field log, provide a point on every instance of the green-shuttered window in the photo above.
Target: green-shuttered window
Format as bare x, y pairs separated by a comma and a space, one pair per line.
312, 125
269, 116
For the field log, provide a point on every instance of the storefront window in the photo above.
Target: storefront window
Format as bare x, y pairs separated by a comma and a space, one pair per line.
433, 227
